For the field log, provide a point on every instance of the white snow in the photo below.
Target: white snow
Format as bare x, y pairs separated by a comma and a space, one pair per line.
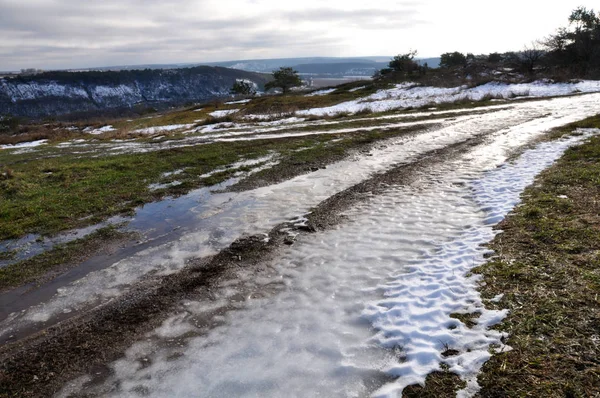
244, 101
239, 164
223, 113
321, 92
160, 129
103, 129
410, 95
30, 144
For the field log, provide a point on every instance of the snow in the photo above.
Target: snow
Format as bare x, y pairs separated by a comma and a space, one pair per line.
244, 101
321, 92
239, 164
223, 113
104, 129
161, 129
21, 145
35, 90
398, 265
411, 95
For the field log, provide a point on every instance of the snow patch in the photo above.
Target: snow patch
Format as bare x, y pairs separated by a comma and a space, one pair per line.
161, 129
30, 144
411, 95
244, 101
223, 113
321, 92
104, 129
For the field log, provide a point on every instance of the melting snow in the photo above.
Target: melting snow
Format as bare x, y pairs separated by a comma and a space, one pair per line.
160, 129
104, 129
218, 219
30, 144
223, 113
410, 95
321, 92
399, 265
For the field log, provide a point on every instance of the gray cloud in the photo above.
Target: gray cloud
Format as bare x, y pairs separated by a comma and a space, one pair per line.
73, 33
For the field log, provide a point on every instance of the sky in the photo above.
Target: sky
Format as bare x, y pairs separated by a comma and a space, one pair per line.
60, 34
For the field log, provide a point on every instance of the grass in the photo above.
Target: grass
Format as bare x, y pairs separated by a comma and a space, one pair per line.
49, 194
57, 193
548, 268
440, 384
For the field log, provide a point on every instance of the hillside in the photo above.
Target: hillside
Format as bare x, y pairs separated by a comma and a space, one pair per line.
59, 93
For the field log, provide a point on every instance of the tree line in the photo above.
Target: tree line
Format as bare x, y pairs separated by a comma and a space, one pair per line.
572, 51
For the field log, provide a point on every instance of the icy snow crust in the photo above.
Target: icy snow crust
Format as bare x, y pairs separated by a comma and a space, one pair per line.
398, 266
410, 95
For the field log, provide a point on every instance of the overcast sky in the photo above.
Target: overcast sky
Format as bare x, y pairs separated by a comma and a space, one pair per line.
52, 34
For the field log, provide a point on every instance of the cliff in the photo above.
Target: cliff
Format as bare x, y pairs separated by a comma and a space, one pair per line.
59, 93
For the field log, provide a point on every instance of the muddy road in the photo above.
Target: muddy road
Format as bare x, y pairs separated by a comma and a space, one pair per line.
348, 280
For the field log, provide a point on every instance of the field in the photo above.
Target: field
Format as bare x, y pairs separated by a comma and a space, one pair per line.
155, 243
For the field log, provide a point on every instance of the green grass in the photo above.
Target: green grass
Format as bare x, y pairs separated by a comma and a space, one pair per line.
548, 269
56, 193
49, 193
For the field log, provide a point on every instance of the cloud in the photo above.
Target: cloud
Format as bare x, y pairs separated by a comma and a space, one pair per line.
72, 33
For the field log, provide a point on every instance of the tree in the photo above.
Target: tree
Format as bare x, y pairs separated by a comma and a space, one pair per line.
404, 63
576, 47
284, 78
8, 123
583, 19
243, 87
453, 60
494, 58
531, 56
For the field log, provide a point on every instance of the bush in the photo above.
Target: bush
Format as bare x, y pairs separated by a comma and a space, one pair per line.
9, 124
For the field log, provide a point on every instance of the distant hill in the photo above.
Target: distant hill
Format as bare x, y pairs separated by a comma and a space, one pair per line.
319, 66
59, 93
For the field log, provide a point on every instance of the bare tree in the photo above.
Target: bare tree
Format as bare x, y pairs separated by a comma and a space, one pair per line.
531, 55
